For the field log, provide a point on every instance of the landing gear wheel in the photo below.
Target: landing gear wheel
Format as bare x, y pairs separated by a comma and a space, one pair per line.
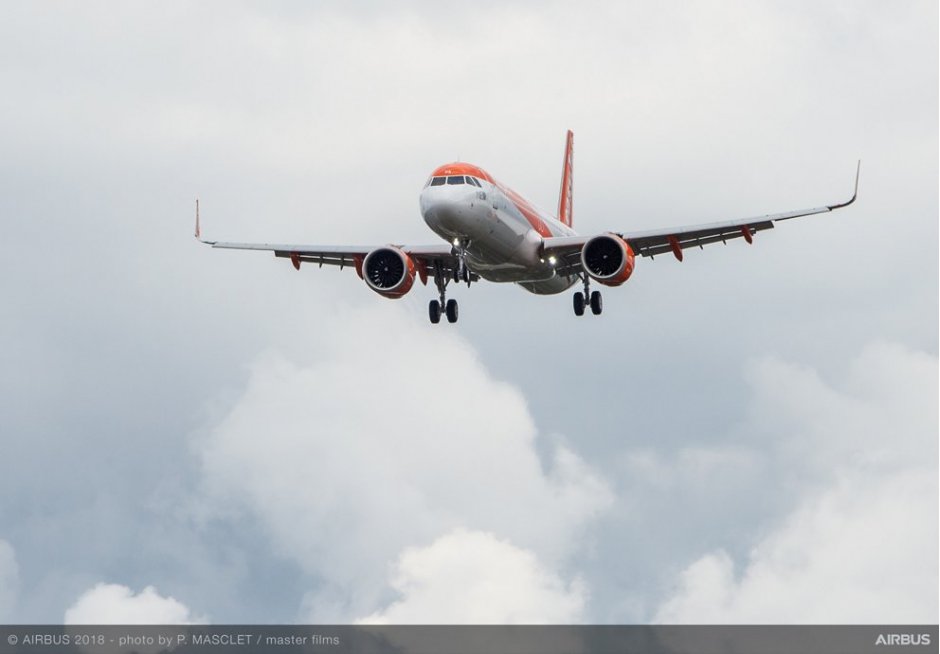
597, 304
579, 303
434, 311
451, 311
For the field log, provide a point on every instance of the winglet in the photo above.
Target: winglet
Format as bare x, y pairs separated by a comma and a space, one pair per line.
198, 233
858, 171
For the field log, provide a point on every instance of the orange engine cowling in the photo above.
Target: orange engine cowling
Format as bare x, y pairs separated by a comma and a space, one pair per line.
388, 271
608, 259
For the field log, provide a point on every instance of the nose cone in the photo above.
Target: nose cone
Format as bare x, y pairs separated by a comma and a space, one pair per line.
447, 209
452, 203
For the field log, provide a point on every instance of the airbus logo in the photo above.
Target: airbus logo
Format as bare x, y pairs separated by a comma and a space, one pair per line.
903, 639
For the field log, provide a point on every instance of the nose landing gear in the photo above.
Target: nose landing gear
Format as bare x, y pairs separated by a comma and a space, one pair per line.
462, 271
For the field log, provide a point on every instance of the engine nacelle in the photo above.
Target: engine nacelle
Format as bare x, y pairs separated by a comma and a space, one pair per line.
388, 271
608, 259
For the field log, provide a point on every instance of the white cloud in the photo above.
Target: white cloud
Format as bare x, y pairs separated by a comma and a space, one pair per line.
474, 577
9, 580
860, 545
384, 443
853, 554
116, 604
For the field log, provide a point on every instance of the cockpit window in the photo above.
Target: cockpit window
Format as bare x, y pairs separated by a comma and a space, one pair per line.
437, 181
474, 181
458, 179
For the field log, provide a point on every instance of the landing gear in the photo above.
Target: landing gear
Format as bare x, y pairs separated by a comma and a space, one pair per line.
434, 311
451, 310
579, 303
597, 303
443, 305
462, 271
581, 299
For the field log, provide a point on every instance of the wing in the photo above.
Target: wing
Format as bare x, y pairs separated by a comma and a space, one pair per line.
567, 249
429, 258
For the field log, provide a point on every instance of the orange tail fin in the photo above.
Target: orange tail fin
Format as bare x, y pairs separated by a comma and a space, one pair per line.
565, 196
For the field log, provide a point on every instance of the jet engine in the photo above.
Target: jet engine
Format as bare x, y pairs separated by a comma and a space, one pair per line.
388, 271
608, 259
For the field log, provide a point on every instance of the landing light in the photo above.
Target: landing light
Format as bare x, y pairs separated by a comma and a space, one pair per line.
552, 260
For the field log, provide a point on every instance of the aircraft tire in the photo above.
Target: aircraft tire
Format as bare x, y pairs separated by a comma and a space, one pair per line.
597, 303
579, 303
451, 310
434, 311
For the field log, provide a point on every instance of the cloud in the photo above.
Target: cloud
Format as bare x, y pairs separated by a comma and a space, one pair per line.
860, 544
380, 444
474, 577
851, 555
9, 580
116, 604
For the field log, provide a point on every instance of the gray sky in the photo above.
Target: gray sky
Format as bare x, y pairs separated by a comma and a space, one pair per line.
194, 435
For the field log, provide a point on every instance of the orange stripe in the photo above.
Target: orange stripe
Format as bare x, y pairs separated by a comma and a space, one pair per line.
460, 168
531, 213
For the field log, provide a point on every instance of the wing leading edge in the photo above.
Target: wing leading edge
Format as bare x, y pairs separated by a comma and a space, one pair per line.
427, 256
659, 241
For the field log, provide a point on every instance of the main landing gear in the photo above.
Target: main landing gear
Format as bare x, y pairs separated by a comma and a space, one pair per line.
587, 297
460, 273
443, 305
450, 310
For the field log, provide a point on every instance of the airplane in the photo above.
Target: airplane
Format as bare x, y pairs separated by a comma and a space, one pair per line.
493, 233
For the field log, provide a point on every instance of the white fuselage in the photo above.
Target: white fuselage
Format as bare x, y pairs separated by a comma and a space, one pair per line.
501, 232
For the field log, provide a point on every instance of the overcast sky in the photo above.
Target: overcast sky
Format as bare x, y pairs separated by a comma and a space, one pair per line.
192, 435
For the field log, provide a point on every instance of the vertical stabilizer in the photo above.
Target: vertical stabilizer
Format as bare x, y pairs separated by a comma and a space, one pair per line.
565, 196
